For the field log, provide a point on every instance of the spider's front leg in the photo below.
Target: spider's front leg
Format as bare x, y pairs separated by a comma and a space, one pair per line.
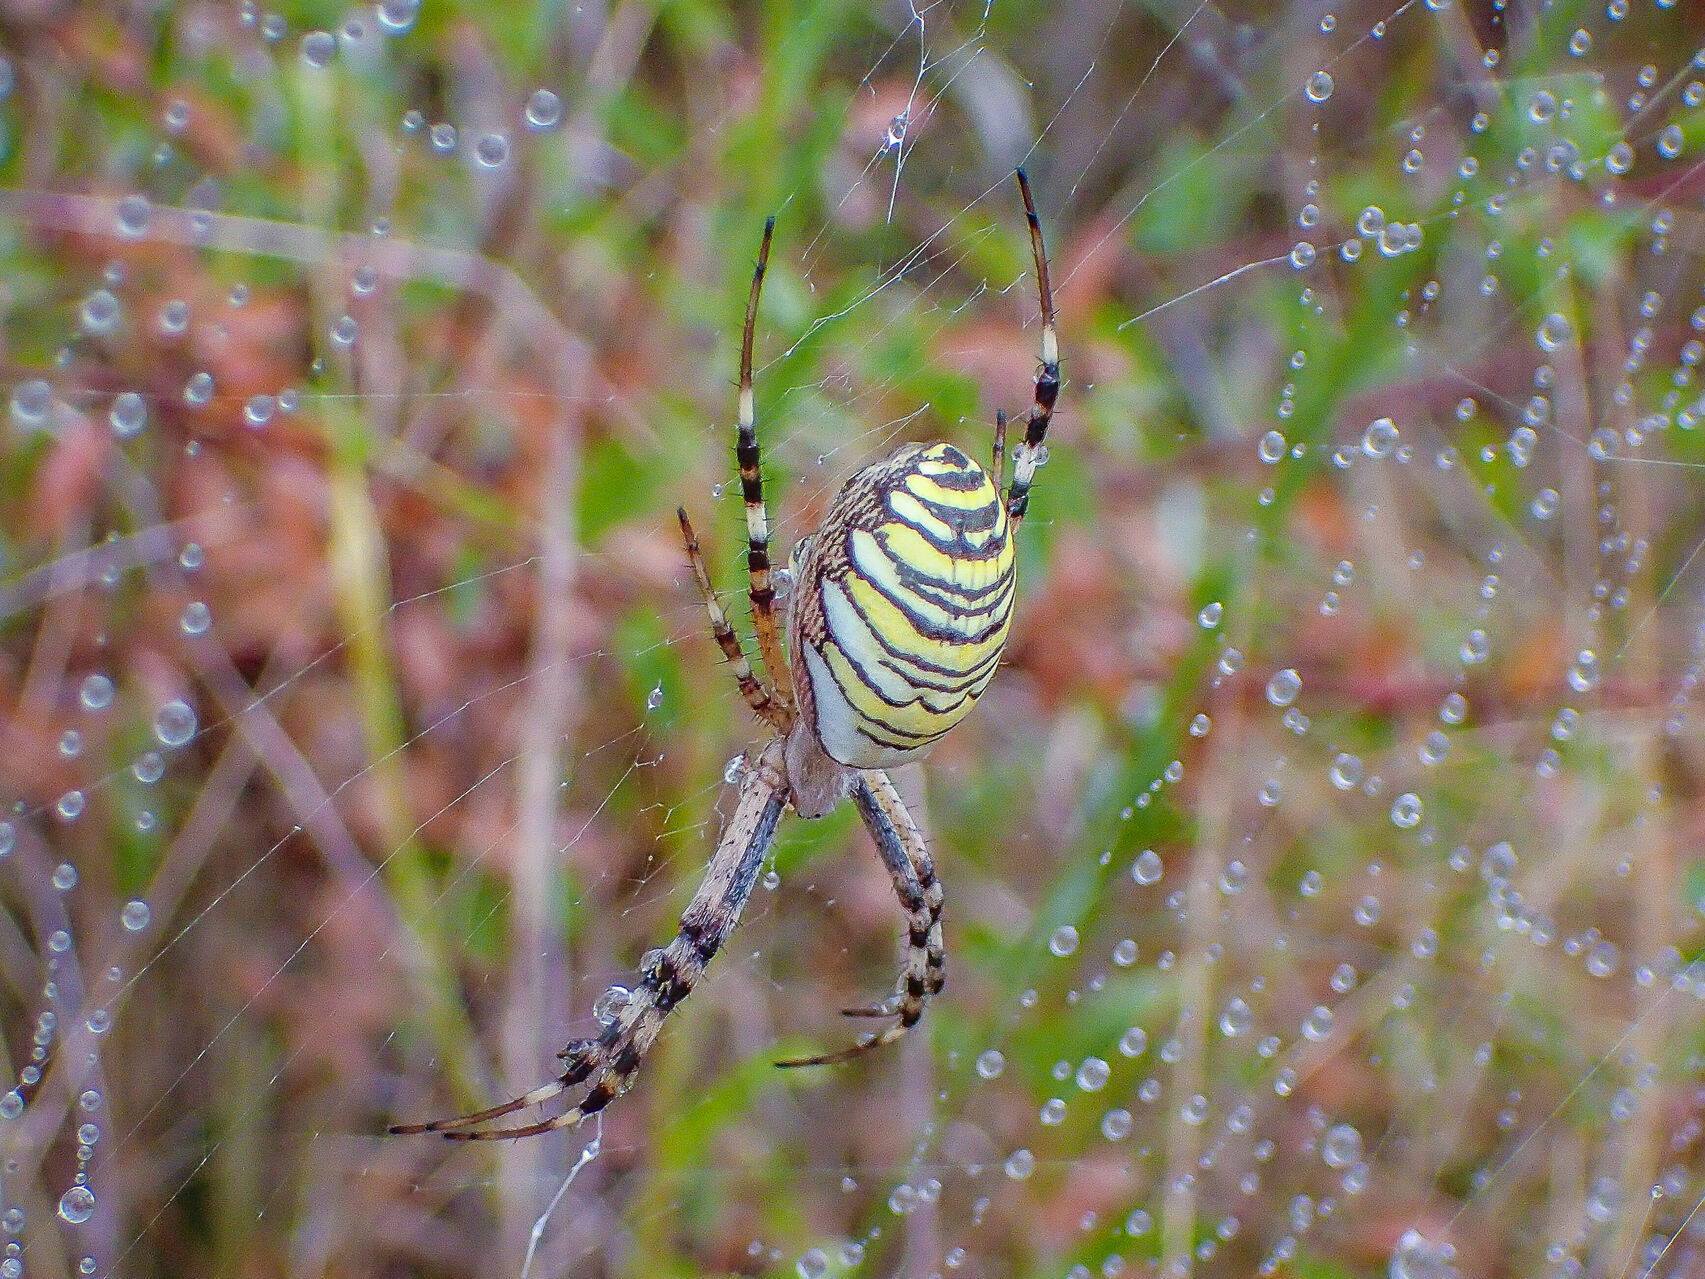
609, 1062
901, 846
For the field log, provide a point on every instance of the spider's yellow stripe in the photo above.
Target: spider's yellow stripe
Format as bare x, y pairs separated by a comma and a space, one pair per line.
916, 627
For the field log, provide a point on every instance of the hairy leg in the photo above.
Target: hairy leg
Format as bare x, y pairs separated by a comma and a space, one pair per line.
611, 1059
756, 695
901, 846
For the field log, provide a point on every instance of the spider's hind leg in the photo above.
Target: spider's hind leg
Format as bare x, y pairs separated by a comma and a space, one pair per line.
901, 846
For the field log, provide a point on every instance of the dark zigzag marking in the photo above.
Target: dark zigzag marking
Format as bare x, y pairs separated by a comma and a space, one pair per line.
887, 642
924, 627
938, 590
962, 519
955, 681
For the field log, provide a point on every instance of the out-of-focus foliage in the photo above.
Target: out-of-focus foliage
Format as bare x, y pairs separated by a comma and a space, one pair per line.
1323, 873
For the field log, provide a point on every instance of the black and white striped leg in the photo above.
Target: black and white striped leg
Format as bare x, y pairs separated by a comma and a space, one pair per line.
912, 840
611, 1060
1031, 452
756, 695
901, 846
749, 459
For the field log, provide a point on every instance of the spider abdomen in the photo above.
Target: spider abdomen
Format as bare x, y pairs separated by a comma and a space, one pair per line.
904, 603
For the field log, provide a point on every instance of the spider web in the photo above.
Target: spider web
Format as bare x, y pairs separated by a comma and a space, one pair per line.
1323, 880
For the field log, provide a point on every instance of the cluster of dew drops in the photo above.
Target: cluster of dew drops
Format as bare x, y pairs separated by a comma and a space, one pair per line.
102, 313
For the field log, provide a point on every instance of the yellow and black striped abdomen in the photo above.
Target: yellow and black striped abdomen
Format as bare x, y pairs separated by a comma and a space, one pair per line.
903, 603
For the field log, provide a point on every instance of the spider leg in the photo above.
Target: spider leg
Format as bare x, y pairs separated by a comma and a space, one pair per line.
1029, 454
901, 846
756, 695
612, 1059
923, 867
1000, 449
746, 453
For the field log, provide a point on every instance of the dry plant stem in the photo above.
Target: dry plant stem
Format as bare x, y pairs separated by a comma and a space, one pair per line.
74, 571
513, 305
539, 988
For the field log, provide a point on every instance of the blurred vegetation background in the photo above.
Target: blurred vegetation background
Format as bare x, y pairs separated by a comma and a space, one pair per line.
1323, 867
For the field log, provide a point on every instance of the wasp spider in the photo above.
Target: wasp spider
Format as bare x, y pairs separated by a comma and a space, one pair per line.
899, 609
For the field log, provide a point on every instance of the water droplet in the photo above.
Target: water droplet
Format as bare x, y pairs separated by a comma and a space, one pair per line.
77, 1205
1319, 86
396, 16
491, 150
1092, 1076
1133, 1042
1603, 958
1318, 1024
608, 1006
812, 1264
149, 767
1063, 941
1584, 675
544, 110
990, 1063
135, 915
318, 49
1415, 1257
259, 410
1671, 143
1379, 438
65, 877
1283, 688
1406, 810
134, 213
198, 390
1210, 615
1235, 1018
31, 402
1346, 772
1148, 868
99, 313
1342, 1146
1553, 332
1116, 1125
343, 331
174, 724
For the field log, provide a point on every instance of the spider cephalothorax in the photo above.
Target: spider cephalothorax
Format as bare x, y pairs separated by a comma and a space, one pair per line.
899, 610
